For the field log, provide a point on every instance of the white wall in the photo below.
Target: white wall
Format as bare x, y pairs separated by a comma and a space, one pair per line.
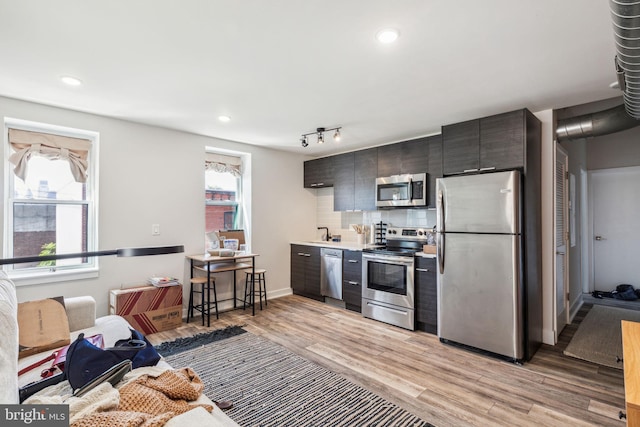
617, 150
150, 175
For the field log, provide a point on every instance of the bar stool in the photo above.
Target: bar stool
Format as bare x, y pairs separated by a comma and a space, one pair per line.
250, 286
204, 307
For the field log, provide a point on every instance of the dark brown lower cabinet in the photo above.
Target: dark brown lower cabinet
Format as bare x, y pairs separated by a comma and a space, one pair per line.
426, 295
305, 271
352, 280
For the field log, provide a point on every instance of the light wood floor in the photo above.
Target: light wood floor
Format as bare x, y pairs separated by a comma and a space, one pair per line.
444, 385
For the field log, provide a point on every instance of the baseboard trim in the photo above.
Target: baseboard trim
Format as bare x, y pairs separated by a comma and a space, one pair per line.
573, 310
548, 337
228, 304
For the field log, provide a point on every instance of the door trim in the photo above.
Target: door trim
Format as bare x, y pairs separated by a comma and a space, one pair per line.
557, 326
589, 232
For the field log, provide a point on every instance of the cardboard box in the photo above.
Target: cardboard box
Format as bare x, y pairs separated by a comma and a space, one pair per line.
149, 309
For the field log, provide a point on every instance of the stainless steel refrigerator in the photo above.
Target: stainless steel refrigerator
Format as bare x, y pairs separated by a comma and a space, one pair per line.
480, 273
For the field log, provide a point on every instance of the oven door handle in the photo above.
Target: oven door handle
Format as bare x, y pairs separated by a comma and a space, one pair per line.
394, 310
386, 259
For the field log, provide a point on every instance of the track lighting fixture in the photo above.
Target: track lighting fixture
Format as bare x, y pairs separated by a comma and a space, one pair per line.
320, 134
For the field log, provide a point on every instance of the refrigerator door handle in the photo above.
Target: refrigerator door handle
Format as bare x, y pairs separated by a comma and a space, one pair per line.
440, 251
441, 207
440, 242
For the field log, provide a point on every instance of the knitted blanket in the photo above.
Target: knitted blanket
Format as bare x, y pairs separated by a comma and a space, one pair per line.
147, 397
150, 401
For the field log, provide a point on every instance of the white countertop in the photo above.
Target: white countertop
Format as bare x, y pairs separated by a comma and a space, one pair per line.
351, 246
423, 255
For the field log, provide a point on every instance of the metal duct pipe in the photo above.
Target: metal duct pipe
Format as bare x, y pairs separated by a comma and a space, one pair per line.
601, 123
626, 27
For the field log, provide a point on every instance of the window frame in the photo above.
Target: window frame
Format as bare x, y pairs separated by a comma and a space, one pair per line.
31, 276
243, 198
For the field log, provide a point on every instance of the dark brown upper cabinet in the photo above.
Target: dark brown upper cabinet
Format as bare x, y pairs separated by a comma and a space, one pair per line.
366, 172
415, 156
318, 173
461, 147
354, 180
434, 168
490, 143
344, 182
403, 157
389, 159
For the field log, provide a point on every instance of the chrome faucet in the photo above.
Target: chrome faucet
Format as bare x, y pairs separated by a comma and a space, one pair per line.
328, 236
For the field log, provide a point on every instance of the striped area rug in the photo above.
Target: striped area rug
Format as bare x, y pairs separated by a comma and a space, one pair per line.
271, 386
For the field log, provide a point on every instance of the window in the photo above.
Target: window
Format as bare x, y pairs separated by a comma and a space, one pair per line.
51, 196
223, 193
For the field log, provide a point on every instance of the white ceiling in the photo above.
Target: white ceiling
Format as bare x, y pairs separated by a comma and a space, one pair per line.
281, 68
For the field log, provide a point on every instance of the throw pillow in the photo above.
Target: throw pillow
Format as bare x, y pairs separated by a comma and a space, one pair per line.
42, 325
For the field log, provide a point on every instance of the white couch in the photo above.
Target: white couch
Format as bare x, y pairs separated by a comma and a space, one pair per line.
81, 312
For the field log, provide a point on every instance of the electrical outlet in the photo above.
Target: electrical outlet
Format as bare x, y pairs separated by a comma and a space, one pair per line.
155, 229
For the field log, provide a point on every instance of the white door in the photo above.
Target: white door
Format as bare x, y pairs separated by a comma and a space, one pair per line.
561, 239
615, 196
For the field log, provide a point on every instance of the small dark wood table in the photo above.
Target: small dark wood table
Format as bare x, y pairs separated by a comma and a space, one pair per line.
220, 264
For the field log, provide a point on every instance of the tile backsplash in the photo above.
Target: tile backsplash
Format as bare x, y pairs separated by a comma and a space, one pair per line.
339, 222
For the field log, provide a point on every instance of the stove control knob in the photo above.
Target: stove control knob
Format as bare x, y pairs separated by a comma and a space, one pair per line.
420, 232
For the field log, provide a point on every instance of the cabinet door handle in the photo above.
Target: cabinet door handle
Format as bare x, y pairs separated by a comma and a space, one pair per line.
470, 170
353, 283
353, 261
426, 270
300, 254
492, 168
307, 254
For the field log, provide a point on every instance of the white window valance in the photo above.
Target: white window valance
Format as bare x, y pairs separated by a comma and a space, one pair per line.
223, 163
54, 147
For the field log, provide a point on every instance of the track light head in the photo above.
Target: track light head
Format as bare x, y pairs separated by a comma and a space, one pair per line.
320, 134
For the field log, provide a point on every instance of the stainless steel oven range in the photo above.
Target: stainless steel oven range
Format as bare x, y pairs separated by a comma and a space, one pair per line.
388, 277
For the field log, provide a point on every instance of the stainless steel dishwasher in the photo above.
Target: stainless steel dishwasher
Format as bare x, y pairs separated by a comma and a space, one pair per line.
331, 273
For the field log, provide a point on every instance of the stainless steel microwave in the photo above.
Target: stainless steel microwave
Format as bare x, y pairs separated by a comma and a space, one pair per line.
409, 190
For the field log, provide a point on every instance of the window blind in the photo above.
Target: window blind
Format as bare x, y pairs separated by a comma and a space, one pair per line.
27, 143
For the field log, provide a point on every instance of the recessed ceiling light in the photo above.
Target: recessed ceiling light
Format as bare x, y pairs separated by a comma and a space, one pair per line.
387, 35
71, 81
224, 119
